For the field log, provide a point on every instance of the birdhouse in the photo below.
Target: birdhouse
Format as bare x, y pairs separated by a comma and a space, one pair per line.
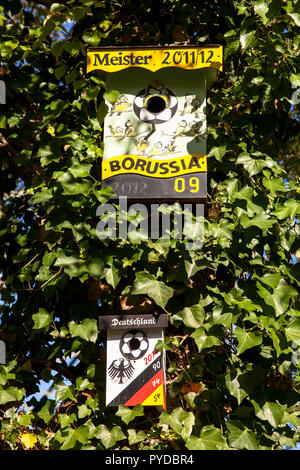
135, 369
155, 130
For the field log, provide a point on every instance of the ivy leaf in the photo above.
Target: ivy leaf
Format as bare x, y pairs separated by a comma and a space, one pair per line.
295, 79
289, 209
80, 434
63, 391
60, 72
146, 283
234, 387
83, 411
11, 394
218, 152
126, 414
282, 296
271, 412
203, 340
73, 265
242, 382
292, 331
246, 339
94, 266
80, 170
180, 421
41, 319
111, 96
263, 221
273, 184
210, 439
270, 279
291, 418
47, 156
42, 195
25, 420
102, 112
261, 8
192, 316
240, 437
111, 275
47, 411
247, 39
295, 17
135, 437
87, 329
109, 437
251, 164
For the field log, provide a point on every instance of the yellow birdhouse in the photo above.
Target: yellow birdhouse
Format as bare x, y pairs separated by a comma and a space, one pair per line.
155, 132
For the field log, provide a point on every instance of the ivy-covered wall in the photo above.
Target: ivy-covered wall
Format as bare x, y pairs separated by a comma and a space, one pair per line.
233, 338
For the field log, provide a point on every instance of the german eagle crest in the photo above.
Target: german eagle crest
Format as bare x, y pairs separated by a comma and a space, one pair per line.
120, 369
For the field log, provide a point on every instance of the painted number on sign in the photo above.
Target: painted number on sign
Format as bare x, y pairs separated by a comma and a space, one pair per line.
155, 382
193, 185
188, 58
150, 358
129, 188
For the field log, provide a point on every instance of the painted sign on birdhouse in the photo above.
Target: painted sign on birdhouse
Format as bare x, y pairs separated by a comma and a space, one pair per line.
155, 132
135, 370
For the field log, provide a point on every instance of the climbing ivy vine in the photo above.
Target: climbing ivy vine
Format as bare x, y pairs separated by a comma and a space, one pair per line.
232, 344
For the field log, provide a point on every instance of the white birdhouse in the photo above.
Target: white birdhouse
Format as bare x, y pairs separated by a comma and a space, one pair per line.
135, 370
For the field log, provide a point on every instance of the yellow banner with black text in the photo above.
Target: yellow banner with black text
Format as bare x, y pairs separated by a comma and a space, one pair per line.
154, 168
189, 58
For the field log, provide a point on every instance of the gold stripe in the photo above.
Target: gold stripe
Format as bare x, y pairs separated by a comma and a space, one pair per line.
152, 400
154, 59
138, 165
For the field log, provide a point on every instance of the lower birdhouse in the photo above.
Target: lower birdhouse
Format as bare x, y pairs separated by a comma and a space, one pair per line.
135, 369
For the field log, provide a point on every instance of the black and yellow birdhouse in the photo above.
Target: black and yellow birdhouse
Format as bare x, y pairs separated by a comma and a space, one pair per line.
155, 131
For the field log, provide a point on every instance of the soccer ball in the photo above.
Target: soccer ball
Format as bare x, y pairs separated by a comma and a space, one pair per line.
134, 345
155, 104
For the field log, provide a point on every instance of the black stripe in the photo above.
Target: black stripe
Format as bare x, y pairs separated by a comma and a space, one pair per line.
137, 383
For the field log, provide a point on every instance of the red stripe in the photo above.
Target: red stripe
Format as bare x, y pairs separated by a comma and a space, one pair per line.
146, 390
164, 398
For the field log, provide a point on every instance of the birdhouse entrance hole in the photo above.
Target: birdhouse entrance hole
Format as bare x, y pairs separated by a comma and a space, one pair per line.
156, 104
134, 344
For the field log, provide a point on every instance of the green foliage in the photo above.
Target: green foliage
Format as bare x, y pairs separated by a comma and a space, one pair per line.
233, 338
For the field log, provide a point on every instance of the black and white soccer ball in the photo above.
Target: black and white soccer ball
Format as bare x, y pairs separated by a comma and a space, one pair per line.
134, 344
155, 104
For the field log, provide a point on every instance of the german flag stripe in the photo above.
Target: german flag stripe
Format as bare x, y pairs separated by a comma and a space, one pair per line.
147, 374
146, 390
157, 398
